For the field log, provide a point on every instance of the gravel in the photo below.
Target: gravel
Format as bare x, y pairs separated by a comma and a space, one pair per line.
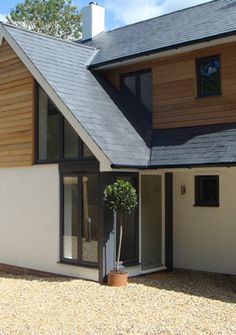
172, 304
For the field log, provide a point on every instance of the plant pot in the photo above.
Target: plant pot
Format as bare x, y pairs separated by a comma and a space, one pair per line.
117, 279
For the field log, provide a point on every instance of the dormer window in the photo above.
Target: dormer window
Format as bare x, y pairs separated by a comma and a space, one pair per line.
139, 85
208, 76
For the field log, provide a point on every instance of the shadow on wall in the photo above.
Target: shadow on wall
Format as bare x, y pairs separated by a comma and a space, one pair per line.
209, 286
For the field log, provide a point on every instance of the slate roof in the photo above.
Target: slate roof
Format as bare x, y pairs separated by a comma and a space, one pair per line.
118, 124
202, 145
203, 22
85, 97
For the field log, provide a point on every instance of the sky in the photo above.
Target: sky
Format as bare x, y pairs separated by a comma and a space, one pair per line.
122, 12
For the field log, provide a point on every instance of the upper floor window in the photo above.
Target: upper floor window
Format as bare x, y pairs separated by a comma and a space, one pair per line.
139, 84
56, 139
208, 76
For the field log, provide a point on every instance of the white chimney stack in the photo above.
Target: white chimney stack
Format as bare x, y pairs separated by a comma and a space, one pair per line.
93, 20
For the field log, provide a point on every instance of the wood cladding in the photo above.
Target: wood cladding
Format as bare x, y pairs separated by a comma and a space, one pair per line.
175, 101
16, 110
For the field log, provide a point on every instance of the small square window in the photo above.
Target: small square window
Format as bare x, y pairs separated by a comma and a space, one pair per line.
208, 76
207, 191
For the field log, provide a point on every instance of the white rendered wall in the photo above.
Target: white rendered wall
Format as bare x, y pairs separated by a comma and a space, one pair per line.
29, 221
205, 237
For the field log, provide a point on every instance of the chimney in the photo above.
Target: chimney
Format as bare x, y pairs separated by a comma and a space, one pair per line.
93, 20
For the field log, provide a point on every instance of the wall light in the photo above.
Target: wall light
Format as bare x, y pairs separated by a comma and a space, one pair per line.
182, 189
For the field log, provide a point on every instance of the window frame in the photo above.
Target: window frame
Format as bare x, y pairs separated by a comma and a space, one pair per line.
200, 202
200, 94
137, 83
79, 261
61, 136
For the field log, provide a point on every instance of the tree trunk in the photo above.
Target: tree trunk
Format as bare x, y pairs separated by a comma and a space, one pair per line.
120, 242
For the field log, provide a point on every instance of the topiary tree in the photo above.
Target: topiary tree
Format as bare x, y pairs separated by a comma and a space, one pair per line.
120, 197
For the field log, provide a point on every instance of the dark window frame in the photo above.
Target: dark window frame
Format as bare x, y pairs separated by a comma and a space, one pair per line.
137, 82
61, 137
201, 94
79, 261
199, 201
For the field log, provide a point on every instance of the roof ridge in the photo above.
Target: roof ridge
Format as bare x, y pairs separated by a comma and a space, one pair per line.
47, 36
163, 15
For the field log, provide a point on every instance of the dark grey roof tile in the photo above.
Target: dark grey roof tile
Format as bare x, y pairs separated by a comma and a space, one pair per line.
63, 66
167, 31
194, 145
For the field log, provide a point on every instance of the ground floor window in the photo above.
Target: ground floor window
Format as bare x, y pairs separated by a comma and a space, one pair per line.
207, 191
79, 218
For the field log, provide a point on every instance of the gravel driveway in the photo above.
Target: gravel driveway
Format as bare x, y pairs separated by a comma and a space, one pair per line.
176, 304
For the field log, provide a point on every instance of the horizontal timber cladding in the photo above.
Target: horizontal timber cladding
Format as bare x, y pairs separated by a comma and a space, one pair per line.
175, 101
16, 110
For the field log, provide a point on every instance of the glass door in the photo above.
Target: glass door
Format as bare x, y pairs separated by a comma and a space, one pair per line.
80, 219
151, 224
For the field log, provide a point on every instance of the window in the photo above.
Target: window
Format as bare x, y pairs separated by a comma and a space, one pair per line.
208, 76
207, 191
130, 244
56, 140
139, 84
48, 129
80, 219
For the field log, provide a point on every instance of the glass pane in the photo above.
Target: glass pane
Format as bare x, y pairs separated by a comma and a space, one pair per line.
70, 227
129, 249
130, 83
151, 222
48, 133
71, 142
146, 89
86, 152
90, 222
207, 191
42, 126
53, 133
209, 76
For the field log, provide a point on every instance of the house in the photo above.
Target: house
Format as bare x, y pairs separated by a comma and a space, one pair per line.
154, 103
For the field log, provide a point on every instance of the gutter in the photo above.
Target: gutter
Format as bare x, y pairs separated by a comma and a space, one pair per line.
174, 166
159, 50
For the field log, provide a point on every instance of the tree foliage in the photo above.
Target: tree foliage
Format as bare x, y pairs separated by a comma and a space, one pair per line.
120, 196
59, 18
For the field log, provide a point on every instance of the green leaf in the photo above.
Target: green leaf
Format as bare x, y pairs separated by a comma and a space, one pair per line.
59, 18
120, 196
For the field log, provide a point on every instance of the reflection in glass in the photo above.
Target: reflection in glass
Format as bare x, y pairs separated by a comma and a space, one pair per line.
146, 89
90, 218
129, 249
48, 128
130, 83
70, 227
71, 141
86, 152
151, 219
209, 76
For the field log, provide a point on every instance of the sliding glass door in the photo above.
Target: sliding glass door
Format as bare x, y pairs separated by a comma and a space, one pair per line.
80, 219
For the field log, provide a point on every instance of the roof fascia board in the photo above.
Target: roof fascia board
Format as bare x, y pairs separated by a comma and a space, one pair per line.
165, 52
1, 33
105, 163
175, 166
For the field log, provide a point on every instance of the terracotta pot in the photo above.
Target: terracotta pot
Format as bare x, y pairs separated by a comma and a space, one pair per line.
117, 278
